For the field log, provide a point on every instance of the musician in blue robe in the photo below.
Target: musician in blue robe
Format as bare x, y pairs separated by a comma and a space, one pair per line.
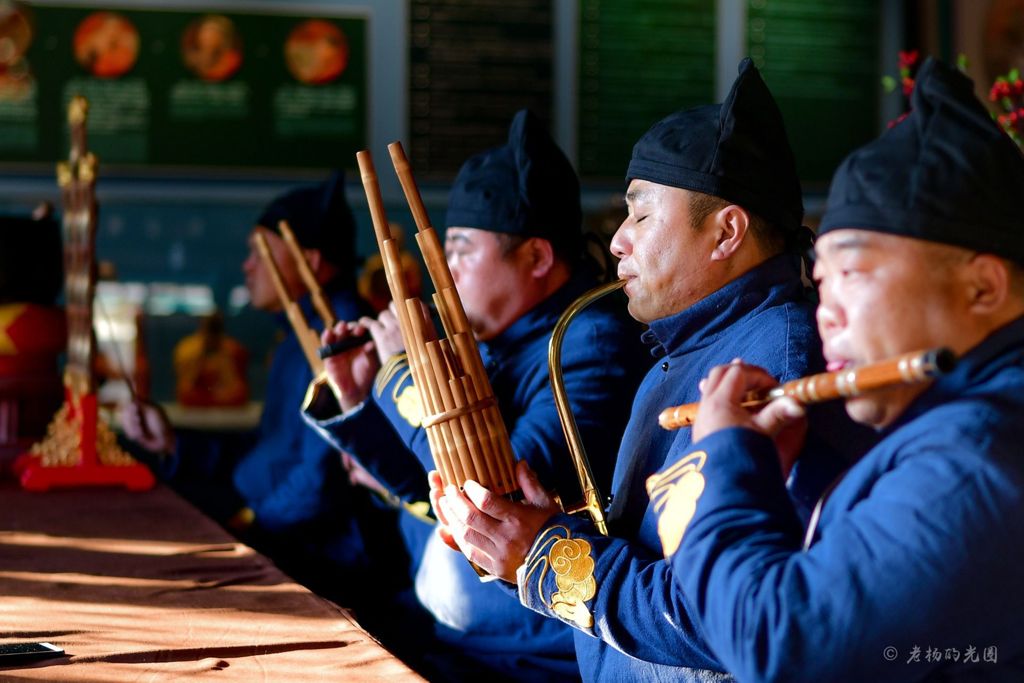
912, 573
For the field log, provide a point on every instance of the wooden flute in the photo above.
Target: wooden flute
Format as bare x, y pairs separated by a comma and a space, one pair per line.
907, 368
349, 343
339, 347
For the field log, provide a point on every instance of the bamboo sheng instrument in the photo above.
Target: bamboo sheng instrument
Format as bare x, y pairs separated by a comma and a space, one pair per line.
466, 433
308, 339
907, 368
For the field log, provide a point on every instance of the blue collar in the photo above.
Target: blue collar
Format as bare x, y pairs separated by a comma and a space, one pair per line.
541, 318
771, 283
1003, 347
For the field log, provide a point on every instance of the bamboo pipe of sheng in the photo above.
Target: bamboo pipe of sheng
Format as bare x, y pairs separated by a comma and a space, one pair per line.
434, 259
389, 256
426, 236
306, 338
441, 440
458, 347
382, 231
447, 454
470, 354
316, 293
444, 314
477, 453
371, 186
462, 453
396, 285
392, 272
493, 431
478, 423
388, 251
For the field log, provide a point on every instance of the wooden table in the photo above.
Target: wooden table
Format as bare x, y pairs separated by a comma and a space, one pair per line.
143, 587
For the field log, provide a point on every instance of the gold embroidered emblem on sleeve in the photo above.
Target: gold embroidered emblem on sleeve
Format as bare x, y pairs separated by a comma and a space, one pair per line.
396, 365
674, 494
409, 405
406, 399
571, 562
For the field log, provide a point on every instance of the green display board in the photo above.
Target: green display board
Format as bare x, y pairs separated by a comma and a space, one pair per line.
640, 60
821, 61
472, 65
193, 89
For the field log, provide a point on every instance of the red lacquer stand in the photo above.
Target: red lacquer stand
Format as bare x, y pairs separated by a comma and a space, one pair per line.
80, 450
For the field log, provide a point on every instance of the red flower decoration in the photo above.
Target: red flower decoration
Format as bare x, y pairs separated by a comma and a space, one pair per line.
1008, 95
908, 59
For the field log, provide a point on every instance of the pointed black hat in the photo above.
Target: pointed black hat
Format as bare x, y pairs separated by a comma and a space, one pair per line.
320, 217
737, 150
526, 187
946, 173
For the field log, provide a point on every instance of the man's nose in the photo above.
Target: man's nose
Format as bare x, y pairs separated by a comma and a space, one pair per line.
829, 316
619, 246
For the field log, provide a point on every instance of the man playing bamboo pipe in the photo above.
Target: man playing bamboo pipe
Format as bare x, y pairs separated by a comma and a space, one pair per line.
914, 570
516, 253
707, 249
285, 491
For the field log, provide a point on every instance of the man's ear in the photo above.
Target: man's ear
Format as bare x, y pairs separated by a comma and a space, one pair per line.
989, 281
314, 258
731, 225
541, 254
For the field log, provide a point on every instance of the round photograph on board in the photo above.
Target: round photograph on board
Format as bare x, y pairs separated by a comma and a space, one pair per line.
15, 33
15, 37
316, 52
106, 44
212, 48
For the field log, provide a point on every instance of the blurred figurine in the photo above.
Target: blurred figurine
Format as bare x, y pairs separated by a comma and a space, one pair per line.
209, 367
373, 286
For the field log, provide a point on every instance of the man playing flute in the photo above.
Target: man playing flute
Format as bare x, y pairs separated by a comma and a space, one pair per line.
710, 252
913, 572
518, 258
285, 491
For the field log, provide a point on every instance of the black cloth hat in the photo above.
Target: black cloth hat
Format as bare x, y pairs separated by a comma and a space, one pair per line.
737, 150
320, 217
526, 187
946, 173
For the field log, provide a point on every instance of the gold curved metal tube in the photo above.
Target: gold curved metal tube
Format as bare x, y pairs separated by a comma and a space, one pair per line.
592, 501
